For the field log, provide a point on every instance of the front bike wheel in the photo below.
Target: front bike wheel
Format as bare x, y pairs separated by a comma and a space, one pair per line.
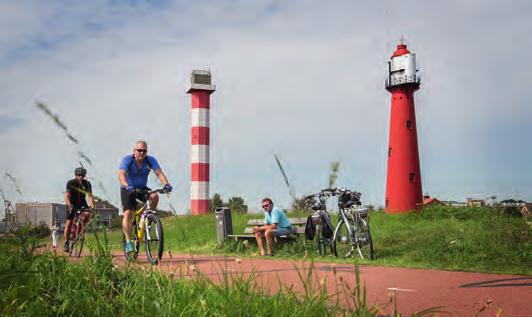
131, 256
342, 241
154, 238
363, 240
72, 238
78, 243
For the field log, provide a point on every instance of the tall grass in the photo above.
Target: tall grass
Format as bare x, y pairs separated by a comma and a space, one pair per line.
33, 284
470, 239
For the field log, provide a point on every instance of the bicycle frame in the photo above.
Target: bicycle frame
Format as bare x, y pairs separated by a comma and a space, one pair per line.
140, 215
144, 220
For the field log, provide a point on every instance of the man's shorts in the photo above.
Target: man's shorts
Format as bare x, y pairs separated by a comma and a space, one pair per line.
129, 199
283, 232
72, 214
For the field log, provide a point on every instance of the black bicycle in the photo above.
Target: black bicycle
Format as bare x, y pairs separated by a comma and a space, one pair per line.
147, 228
321, 220
353, 231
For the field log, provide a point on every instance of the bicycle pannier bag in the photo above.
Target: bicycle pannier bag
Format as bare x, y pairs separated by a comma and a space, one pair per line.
327, 228
310, 230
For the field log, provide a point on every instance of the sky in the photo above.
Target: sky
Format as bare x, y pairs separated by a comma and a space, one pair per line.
303, 80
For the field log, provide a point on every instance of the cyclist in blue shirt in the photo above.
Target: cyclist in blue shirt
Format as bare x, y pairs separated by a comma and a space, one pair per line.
133, 174
275, 224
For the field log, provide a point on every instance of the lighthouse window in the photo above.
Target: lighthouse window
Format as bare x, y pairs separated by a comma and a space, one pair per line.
409, 124
389, 152
412, 177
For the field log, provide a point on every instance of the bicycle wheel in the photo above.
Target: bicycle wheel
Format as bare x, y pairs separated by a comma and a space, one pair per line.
78, 245
363, 240
342, 243
130, 256
154, 238
72, 236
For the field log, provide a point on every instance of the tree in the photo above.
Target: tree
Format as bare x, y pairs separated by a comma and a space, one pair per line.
335, 166
237, 204
299, 204
216, 201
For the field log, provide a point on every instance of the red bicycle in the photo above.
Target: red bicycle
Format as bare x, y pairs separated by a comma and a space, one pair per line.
76, 237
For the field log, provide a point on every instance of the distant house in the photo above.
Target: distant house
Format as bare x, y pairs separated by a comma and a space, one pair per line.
513, 203
473, 202
455, 203
47, 213
431, 201
38, 213
106, 210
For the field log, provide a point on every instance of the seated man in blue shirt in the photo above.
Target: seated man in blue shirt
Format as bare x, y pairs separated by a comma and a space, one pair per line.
275, 224
133, 174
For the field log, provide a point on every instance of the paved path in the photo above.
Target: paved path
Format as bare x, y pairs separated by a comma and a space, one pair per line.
462, 294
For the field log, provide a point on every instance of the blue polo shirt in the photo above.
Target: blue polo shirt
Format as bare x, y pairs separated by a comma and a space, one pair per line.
277, 216
138, 178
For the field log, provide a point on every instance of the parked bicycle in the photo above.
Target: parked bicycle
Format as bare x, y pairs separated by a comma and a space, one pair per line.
147, 228
353, 231
76, 237
321, 220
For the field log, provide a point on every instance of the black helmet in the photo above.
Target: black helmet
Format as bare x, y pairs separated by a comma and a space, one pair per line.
80, 171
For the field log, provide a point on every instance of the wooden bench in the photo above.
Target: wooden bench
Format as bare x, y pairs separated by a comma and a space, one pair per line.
298, 227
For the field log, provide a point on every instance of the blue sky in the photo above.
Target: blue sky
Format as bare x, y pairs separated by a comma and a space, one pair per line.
300, 79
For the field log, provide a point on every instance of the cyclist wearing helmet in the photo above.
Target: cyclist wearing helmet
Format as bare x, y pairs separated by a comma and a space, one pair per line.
76, 191
133, 174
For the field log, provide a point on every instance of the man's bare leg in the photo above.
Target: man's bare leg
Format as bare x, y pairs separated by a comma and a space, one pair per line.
154, 200
126, 223
269, 240
68, 224
259, 236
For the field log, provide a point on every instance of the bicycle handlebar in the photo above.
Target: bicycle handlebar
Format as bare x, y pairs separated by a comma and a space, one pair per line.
149, 192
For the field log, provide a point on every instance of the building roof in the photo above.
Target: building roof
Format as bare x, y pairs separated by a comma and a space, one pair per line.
104, 204
427, 200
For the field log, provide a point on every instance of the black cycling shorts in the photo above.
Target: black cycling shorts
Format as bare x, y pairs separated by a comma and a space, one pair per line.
72, 214
129, 199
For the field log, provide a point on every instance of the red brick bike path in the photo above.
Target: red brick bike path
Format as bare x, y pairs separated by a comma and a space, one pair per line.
462, 293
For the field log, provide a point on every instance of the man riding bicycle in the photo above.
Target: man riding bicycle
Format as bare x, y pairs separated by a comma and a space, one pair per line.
133, 175
76, 191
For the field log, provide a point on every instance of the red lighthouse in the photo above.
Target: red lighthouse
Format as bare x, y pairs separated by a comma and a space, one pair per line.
403, 181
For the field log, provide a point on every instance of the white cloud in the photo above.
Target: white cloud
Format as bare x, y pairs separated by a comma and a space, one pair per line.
303, 81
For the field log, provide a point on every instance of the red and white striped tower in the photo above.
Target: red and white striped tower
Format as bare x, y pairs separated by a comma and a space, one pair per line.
403, 181
201, 89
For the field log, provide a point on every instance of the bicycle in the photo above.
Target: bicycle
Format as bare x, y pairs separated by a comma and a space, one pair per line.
353, 229
317, 203
76, 237
147, 227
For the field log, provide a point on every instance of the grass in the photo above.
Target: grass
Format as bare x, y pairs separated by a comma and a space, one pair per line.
451, 238
42, 284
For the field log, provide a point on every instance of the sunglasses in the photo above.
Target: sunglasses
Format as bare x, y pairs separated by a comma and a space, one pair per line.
265, 206
141, 150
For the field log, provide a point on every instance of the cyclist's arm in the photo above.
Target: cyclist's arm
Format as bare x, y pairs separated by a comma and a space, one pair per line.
122, 177
90, 200
67, 200
161, 176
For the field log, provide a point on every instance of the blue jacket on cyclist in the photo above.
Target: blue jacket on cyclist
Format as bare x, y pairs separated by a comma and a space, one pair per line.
133, 174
